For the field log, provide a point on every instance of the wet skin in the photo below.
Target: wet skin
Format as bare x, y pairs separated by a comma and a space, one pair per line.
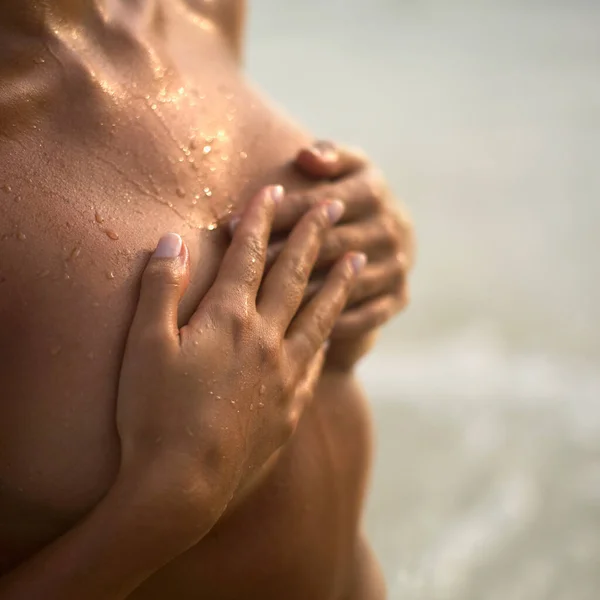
111, 133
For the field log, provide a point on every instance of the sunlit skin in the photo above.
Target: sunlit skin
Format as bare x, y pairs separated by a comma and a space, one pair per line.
120, 121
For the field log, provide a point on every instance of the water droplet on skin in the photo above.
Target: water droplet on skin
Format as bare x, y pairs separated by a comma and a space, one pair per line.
75, 253
6, 188
66, 276
232, 402
55, 351
261, 405
39, 61
18, 198
251, 406
207, 149
224, 158
243, 155
218, 397
212, 226
212, 169
180, 192
208, 192
21, 236
263, 389
170, 204
113, 235
110, 275
99, 218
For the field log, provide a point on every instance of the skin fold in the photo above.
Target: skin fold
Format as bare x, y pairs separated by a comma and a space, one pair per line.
120, 121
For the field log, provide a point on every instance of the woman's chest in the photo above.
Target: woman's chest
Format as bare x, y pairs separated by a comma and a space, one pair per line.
105, 167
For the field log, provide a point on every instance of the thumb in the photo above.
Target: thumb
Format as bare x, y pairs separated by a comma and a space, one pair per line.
164, 282
325, 160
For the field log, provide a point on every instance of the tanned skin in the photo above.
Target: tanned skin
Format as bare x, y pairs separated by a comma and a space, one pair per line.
120, 121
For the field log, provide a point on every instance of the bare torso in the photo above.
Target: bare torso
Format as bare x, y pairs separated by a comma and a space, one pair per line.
107, 140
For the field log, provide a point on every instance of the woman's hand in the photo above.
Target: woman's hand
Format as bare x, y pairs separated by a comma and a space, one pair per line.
373, 223
201, 408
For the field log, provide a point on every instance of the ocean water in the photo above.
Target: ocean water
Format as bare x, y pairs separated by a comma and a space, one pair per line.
485, 116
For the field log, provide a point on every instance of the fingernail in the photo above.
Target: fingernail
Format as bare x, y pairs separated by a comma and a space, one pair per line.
277, 193
335, 210
325, 149
169, 246
358, 262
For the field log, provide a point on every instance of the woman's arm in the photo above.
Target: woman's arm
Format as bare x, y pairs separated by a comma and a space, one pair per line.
202, 408
109, 554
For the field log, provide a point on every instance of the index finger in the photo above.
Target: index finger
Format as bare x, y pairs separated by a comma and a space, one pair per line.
244, 261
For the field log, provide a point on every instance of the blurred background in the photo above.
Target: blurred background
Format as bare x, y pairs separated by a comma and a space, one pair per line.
485, 116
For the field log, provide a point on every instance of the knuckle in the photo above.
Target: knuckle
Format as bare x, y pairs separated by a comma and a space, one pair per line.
239, 315
269, 352
253, 248
399, 268
318, 218
345, 275
297, 272
391, 231
315, 224
376, 190
234, 313
160, 274
322, 324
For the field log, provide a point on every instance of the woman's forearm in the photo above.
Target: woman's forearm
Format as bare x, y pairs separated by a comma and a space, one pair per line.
105, 557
